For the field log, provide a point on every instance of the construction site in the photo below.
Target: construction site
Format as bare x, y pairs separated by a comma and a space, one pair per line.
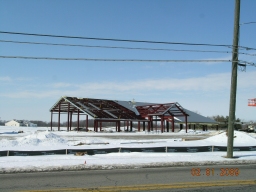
125, 114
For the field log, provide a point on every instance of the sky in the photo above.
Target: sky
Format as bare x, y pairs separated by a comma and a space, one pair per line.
29, 88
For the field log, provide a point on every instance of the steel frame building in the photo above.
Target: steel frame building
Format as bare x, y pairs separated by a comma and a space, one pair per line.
102, 110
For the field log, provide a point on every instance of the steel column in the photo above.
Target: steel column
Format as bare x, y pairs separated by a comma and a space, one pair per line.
78, 112
68, 122
51, 120
71, 114
156, 122
186, 119
149, 122
139, 126
152, 124
59, 119
162, 129
173, 124
131, 126
127, 124
119, 125
68, 117
86, 122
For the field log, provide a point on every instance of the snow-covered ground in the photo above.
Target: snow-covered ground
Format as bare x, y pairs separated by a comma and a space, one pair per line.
36, 139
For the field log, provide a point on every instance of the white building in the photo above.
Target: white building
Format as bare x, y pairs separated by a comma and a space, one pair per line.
20, 123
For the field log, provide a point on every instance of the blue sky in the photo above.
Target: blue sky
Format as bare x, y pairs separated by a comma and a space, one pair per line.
30, 87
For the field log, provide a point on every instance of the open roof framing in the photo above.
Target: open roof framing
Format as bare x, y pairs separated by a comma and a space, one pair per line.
96, 108
102, 110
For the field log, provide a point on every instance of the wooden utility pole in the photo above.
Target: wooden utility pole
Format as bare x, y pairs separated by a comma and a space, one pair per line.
232, 105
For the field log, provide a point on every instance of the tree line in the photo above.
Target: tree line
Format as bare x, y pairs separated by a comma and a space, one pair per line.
223, 120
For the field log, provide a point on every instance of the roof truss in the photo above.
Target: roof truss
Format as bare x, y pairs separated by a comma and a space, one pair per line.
97, 108
166, 110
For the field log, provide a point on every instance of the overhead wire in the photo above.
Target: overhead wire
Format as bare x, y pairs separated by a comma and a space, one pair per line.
118, 60
120, 47
253, 22
125, 60
122, 40
119, 40
247, 63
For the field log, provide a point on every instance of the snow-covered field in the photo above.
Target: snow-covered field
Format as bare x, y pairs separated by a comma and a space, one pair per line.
36, 139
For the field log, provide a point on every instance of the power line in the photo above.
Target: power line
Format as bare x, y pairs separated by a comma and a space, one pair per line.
114, 60
247, 63
247, 23
118, 47
111, 47
119, 40
127, 60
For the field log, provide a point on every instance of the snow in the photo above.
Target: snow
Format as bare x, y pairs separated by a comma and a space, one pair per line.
36, 139
240, 139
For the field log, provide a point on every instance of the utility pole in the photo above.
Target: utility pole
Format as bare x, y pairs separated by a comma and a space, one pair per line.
232, 104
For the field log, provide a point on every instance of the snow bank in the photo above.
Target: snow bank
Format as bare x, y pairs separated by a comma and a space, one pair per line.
35, 139
44, 140
240, 139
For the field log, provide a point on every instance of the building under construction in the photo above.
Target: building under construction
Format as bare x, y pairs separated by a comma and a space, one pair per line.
126, 113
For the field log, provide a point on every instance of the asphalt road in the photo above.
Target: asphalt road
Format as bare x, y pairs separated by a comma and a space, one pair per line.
203, 178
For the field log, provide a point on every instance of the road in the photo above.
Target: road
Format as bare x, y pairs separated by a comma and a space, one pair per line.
203, 178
